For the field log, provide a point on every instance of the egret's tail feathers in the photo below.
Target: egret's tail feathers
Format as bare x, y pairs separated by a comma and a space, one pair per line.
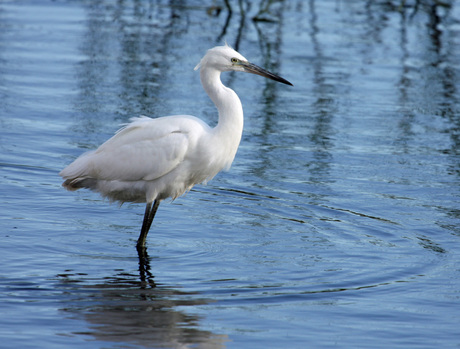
73, 184
78, 174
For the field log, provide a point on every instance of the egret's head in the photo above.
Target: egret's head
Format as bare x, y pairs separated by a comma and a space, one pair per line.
224, 58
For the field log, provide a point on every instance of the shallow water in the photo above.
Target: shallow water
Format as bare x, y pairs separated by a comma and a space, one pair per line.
337, 225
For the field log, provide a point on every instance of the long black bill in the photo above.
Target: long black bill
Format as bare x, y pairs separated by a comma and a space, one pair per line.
254, 69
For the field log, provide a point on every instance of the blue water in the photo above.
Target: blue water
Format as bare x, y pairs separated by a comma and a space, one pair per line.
338, 225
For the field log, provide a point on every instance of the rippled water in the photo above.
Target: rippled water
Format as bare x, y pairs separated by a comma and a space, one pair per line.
337, 226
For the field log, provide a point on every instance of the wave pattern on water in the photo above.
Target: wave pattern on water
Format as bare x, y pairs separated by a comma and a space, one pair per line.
337, 226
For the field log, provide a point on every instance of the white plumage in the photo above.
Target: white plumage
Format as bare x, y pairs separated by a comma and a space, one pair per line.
150, 160
147, 160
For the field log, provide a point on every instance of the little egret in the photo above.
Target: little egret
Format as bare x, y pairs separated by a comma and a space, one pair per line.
149, 160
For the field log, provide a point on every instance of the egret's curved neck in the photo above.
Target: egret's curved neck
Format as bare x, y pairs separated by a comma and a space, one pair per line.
228, 104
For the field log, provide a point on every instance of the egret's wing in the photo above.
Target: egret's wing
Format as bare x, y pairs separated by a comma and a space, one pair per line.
140, 159
145, 149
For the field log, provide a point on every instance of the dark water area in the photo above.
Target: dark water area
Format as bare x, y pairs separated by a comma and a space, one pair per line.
338, 225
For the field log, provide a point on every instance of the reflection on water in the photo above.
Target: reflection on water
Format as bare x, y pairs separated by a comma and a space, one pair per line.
342, 202
131, 308
132, 72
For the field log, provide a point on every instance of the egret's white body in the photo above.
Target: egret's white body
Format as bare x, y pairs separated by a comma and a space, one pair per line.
150, 160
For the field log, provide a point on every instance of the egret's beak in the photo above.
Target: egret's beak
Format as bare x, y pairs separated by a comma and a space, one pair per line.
254, 69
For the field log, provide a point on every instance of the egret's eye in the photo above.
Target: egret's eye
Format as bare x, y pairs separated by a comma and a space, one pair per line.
235, 60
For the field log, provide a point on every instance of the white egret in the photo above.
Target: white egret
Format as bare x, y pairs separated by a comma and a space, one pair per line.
150, 160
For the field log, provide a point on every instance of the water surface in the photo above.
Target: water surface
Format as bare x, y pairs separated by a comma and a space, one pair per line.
337, 225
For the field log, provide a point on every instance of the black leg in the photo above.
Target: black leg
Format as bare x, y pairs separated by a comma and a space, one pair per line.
146, 224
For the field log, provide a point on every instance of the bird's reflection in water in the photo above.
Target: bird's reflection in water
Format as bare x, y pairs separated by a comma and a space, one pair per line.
134, 309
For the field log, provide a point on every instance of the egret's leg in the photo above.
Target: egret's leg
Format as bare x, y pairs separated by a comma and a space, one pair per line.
143, 234
148, 219
152, 213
